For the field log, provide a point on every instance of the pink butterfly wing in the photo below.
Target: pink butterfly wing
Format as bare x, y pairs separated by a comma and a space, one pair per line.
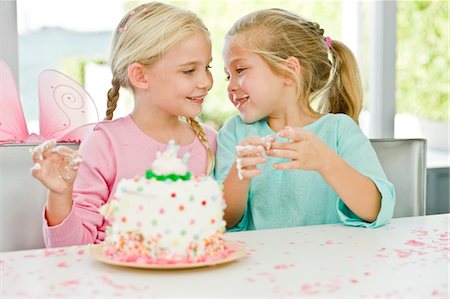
65, 108
13, 128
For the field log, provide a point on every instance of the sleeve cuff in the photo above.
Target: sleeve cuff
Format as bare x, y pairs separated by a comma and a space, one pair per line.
242, 225
387, 209
56, 235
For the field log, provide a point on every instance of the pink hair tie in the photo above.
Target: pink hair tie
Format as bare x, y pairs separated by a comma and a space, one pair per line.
328, 41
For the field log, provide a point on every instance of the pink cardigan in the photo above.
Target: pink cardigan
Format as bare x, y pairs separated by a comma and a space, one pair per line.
114, 150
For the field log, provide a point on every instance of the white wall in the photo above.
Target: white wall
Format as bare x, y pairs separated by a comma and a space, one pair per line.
8, 35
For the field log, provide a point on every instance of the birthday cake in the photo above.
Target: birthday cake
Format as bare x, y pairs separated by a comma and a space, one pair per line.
166, 217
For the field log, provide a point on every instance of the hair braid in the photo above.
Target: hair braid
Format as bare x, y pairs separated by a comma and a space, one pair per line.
113, 97
200, 133
315, 27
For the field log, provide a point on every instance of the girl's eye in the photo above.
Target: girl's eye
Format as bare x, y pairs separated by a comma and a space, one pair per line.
189, 71
238, 71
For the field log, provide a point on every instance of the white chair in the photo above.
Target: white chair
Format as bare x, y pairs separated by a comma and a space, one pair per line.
404, 162
22, 199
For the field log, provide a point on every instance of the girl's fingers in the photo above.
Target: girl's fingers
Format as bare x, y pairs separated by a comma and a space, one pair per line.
264, 142
242, 165
249, 150
296, 134
36, 170
280, 153
267, 141
252, 140
283, 145
65, 151
72, 157
36, 154
245, 162
248, 173
42, 151
48, 147
286, 165
55, 167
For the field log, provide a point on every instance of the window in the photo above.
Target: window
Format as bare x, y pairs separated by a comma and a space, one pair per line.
73, 37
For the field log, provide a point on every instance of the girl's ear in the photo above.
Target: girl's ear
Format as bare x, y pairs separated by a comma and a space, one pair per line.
136, 74
293, 64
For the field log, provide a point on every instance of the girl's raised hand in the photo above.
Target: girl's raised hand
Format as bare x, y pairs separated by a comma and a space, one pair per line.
305, 150
249, 153
55, 167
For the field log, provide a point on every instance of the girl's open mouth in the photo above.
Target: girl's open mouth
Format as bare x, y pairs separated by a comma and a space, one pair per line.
196, 100
240, 102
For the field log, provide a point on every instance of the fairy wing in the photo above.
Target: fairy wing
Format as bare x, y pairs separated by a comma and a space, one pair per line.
66, 111
13, 127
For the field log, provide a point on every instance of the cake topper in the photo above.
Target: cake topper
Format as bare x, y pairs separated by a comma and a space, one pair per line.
168, 165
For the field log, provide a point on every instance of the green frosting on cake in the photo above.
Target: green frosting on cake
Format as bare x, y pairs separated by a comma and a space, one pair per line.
149, 174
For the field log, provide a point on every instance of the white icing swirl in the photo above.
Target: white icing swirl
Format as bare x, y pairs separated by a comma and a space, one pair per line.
168, 162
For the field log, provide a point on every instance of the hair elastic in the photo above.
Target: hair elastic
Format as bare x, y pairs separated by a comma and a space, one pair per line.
328, 41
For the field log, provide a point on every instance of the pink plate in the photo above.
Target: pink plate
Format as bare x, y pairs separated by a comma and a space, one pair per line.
96, 252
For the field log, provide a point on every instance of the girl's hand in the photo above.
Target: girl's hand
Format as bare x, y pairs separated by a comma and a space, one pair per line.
55, 167
306, 151
249, 153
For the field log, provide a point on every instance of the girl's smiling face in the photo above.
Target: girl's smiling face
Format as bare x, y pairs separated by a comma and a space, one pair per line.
253, 87
180, 80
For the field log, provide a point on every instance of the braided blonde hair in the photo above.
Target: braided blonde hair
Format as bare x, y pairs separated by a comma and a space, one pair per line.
144, 35
201, 134
329, 73
113, 97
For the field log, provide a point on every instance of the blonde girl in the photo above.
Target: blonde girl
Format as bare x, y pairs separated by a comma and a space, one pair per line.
295, 155
162, 54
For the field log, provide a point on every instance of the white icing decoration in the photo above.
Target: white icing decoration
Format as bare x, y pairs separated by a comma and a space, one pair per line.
168, 163
239, 169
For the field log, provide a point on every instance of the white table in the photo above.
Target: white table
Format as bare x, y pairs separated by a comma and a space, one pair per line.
407, 258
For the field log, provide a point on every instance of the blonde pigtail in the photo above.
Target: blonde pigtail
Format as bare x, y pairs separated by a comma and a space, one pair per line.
200, 133
345, 94
113, 97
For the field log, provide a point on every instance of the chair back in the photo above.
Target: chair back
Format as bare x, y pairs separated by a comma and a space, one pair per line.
22, 199
404, 163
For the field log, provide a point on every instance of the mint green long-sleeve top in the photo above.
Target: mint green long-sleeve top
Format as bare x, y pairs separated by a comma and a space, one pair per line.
278, 198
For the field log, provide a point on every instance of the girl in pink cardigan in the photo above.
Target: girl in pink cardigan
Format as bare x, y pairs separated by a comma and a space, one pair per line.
162, 54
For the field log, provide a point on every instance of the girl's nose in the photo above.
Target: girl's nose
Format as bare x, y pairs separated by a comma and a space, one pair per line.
232, 85
206, 81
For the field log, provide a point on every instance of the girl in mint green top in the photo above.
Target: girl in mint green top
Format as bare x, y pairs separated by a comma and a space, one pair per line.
296, 197
282, 162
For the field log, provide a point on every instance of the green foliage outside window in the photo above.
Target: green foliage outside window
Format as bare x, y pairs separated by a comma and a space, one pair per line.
423, 59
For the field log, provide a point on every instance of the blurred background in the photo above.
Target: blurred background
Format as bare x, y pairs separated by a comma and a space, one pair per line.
74, 37
402, 48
